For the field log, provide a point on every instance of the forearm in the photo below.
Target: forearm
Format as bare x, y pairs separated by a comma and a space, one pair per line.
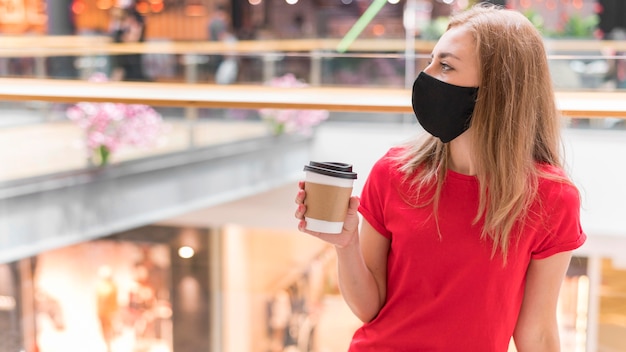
543, 342
357, 283
537, 336
537, 329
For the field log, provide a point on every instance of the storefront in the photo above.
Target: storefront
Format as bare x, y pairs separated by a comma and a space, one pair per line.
127, 292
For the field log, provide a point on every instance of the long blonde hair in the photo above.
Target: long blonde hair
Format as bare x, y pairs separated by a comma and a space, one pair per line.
515, 123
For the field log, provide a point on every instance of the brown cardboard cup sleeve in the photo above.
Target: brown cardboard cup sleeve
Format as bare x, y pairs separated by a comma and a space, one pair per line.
328, 187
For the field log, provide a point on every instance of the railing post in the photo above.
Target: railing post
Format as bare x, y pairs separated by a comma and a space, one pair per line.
315, 77
409, 47
191, 77
269, 66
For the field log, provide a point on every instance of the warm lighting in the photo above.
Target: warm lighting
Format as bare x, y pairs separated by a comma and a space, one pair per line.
186, 252
104, 4
195, 10
577, 4
142, 7
78, 7
159, 348
7, 303
156, 8
254, 2
378, 30
291, 2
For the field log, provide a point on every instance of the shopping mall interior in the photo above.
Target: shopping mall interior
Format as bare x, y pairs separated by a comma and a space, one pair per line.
172, 228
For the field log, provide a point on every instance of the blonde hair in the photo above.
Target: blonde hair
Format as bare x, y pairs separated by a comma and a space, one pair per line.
515, 123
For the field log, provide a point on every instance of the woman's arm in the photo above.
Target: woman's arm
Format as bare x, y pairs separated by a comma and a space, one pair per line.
537, 329
363, 272
362, 260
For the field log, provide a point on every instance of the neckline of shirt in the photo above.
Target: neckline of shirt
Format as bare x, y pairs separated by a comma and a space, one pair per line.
462, 177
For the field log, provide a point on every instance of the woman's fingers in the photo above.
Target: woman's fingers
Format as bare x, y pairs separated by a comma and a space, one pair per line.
300, 196
351, 223
300, 210
353, 206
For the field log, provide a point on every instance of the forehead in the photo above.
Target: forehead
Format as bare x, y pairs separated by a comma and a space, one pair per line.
457, 41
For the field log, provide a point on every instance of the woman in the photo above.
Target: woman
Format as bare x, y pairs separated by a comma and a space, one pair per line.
128, 26
467, 233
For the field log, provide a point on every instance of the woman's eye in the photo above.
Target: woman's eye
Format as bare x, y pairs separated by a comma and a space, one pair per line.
445, 67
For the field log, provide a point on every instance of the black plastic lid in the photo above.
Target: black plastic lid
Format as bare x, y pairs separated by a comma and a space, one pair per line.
334, 169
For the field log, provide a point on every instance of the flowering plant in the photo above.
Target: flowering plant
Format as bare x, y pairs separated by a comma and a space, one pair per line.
108, 126
291, 120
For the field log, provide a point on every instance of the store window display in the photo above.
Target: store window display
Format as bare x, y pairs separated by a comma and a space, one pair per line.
103, 296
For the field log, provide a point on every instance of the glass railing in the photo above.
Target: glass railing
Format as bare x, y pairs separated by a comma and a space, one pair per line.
314, 64
53, 143
576, 64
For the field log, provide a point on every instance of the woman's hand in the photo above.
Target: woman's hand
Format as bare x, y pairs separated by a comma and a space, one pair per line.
361, 259
349, 233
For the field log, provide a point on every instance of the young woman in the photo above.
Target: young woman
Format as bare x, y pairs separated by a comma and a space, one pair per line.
467, 233
128, 26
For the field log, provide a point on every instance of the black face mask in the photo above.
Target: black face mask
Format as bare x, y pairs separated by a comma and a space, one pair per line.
444, 110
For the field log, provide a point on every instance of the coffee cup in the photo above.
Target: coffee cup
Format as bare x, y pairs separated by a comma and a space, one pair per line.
328, 187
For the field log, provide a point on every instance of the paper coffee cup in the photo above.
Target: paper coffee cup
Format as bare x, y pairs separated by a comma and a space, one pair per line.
328, 187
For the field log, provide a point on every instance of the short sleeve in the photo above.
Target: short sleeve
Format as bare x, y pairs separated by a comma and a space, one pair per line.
372, 205
563, 222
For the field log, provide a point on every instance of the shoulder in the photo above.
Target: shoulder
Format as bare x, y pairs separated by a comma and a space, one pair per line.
559, 206
554, 186
386, 170
388, 163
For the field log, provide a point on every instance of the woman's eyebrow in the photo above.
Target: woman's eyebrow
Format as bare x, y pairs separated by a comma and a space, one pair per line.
444, 55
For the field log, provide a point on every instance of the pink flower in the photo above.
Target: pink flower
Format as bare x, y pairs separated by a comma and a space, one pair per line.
290, 120
112, 125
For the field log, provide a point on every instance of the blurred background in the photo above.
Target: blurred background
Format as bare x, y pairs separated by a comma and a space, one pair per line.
150, 152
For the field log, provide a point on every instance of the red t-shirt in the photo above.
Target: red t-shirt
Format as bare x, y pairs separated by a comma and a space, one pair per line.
446, 293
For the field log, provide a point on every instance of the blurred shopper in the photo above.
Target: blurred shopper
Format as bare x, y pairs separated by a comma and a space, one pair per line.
228, 68
127, 26
223, 67
218, 24
468, 231
106, 293
618, 65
